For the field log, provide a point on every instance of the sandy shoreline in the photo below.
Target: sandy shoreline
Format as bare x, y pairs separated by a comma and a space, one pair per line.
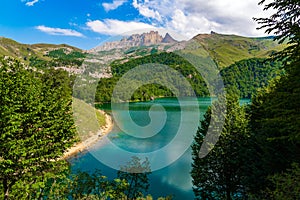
83, 145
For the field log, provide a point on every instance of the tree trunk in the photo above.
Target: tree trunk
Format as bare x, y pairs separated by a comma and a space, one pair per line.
130, 187
228, 196
6, 189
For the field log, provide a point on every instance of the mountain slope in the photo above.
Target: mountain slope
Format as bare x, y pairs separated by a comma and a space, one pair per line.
225, 50
228, 49
249, 75
168, 39
25, 52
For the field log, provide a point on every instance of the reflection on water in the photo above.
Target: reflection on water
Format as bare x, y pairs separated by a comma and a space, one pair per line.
174, 179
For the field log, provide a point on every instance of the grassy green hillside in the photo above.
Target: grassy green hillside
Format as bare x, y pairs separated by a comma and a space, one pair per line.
14, 49
39, 53
86, 126
228, 49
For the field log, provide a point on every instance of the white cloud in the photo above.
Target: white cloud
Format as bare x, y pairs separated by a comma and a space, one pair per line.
146, 11
59, 31
189, 18
190, 25
201, 16
114, 5
30, 3
116, 27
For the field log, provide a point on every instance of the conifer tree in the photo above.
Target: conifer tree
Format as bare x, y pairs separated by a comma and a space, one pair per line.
218, 175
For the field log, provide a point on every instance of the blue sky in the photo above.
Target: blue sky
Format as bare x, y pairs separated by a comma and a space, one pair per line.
86, 23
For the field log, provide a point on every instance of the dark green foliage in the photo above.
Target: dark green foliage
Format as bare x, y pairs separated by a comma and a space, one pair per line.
136, 174
275, 123
59, 78
174, 61
219, 174
246, 75
34, 61
146, 92
287, 185
275, 114
61, 53
249, 75
105, 89
52, 184
96, 186
131, 183
106, 86
170, 59
59, 58
36, 125
154, 50
62, 185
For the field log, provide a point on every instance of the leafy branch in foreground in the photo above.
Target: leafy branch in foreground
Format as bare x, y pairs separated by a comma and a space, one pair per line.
36, 126
275, 115
284, 24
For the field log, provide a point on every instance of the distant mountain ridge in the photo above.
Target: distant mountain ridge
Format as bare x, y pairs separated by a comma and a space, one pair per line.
225, 50
136, 40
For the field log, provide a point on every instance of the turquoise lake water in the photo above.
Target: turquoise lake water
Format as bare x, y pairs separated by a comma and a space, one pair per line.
171, 168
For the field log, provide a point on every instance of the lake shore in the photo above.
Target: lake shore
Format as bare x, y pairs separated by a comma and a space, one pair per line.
83, 145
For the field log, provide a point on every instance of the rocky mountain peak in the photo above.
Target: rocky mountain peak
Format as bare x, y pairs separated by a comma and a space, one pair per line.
168, 39
144, 39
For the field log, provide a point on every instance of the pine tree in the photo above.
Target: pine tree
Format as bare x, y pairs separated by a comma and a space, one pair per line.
218, 175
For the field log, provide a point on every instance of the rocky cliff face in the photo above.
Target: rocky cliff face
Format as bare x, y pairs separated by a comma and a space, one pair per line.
144, 39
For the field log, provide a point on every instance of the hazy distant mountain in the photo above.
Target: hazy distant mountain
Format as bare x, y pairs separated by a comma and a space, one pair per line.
168, 39
137, 40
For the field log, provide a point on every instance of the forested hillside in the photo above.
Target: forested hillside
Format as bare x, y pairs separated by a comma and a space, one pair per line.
106, 86
245, 75
249, 75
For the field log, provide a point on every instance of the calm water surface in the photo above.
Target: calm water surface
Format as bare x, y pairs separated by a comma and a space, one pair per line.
174, 179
